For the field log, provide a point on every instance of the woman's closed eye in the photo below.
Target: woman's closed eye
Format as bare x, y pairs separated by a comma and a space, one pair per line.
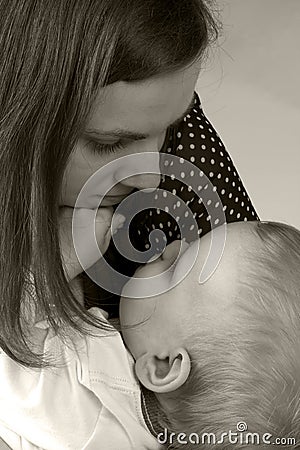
106, 148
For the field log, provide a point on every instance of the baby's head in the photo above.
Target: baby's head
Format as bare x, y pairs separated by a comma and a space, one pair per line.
228, 350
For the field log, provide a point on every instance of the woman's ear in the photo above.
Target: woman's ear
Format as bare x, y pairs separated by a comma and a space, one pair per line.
163, 373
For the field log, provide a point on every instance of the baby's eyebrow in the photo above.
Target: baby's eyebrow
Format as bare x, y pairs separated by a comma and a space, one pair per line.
132, 135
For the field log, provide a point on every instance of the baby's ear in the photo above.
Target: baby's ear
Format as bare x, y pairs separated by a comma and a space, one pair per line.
165, 372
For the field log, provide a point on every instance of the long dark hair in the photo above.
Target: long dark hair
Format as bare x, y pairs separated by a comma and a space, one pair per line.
54, 58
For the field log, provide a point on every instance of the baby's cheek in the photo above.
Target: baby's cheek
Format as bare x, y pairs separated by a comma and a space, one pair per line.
134, 316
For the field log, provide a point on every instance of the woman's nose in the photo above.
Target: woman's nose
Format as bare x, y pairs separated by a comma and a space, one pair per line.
142, 169
143, 181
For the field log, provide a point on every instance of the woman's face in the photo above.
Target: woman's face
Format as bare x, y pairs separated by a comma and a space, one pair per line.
133, 118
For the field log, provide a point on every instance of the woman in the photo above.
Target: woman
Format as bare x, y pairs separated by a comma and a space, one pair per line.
73, 75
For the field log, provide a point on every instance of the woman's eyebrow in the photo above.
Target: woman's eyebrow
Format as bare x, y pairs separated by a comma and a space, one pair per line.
132, 135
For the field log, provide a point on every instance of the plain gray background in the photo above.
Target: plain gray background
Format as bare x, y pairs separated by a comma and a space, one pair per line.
250, 91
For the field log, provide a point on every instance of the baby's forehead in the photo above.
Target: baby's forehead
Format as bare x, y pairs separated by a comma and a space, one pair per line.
202, 257
189, 264
219, 258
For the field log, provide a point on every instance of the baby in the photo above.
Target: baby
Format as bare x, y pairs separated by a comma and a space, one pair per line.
222, 357
218, 361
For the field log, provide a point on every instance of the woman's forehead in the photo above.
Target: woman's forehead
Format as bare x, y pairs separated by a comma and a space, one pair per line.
143, 107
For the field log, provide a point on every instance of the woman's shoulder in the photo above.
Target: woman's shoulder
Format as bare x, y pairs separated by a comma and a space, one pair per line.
83, 382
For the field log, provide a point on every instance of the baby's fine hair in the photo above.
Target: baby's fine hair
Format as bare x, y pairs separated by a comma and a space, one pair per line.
249, 371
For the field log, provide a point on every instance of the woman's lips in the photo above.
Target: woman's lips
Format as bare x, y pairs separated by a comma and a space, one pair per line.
113, 199
96, 200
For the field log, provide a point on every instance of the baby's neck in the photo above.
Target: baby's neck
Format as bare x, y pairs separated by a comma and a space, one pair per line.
155, 415
167, 401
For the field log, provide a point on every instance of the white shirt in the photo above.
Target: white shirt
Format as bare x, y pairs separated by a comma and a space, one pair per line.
92, 401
